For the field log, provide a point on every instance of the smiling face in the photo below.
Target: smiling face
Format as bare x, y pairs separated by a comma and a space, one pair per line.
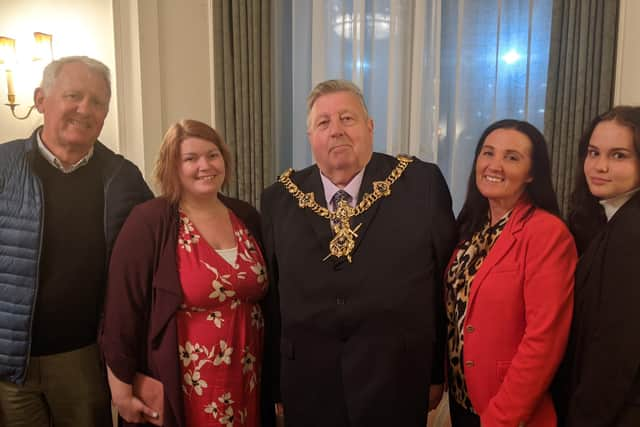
503, 168
201, 168
74, 108
341, 136
612, 166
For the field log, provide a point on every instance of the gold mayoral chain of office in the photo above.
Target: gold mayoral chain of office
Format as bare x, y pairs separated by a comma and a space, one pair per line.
344, 240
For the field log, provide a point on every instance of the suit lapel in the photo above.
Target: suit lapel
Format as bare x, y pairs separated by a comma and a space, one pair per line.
321, 226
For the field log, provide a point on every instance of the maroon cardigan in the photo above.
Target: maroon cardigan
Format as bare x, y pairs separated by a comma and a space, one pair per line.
139, 331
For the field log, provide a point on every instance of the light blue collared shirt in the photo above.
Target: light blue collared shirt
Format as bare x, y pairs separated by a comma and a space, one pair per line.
51, 158
353, 188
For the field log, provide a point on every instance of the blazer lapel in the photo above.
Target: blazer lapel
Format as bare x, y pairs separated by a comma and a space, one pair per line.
505, 242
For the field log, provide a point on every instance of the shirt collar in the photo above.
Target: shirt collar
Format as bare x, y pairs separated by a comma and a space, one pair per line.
353, 188
51, 158
612, 205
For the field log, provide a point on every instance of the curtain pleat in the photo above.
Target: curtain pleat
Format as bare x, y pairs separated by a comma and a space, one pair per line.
580, 81
243, 91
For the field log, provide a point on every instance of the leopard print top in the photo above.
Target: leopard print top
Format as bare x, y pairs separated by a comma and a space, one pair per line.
469, 258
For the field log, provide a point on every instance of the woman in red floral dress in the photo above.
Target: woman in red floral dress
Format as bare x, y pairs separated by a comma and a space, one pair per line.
182, 301
220, 327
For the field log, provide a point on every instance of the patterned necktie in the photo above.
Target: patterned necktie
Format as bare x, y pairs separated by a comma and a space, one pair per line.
339, 196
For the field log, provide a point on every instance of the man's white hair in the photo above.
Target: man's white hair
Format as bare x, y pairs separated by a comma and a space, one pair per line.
52, 70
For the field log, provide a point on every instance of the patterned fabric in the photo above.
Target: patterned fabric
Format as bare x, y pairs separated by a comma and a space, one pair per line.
338, 197
220, 328
467, 262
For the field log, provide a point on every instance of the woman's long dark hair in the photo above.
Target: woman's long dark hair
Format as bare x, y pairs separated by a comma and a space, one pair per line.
586, 215
540, 190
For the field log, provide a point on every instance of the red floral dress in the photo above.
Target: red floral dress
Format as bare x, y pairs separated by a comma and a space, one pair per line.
220, 328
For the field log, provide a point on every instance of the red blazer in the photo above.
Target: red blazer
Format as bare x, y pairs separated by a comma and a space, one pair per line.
518, 319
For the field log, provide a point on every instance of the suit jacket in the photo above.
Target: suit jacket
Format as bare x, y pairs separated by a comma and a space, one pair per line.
358, 344
518, 319
139, 332
599, 383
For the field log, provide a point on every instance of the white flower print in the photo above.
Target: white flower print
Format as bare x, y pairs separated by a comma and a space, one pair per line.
216, 318
220, 292
256, 317
244, 255
235, 302
220, 285
227, 419
226, 399
243, 415
260, 272
248, 360
187, 237
212, 408
188, 353
224, 354
198, 355
252, 381
195, 381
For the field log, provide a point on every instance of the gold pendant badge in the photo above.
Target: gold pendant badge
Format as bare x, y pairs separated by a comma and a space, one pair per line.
345, 237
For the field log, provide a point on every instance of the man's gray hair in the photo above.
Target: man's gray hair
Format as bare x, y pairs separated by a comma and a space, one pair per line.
333, 86
52, 70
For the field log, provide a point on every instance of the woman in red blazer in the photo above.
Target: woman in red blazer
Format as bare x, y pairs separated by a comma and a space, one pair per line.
509, 285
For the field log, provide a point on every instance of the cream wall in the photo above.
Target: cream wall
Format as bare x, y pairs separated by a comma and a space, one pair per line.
79, 27
164, 59
627, 89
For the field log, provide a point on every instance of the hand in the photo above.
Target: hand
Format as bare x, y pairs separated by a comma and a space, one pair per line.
435, 395
279, 414
133, 410
130, 408
279, 409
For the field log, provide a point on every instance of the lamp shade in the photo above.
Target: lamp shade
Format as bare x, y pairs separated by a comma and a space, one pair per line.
43, 49
7, 50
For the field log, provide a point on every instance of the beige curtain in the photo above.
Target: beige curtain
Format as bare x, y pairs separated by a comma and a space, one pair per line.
580, 80
242, 61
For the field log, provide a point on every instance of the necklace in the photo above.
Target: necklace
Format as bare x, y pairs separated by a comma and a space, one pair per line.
345, 237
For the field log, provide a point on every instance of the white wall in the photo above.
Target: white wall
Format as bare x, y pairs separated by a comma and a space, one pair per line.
79, 27
627, 89
164, 62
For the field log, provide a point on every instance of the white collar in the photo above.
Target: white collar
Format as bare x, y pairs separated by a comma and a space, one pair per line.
56, 163
612, 205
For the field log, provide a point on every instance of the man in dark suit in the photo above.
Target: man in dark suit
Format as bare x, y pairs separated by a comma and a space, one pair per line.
356, 245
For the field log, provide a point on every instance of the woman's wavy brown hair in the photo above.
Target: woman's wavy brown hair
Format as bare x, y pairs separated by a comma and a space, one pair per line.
166, 168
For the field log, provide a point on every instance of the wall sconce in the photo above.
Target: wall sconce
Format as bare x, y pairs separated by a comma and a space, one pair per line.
43, 50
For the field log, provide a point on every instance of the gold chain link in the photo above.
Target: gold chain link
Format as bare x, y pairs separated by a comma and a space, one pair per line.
344, 241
